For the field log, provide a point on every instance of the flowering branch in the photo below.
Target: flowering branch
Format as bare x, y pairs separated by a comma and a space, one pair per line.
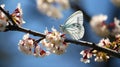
82, 43
94, 46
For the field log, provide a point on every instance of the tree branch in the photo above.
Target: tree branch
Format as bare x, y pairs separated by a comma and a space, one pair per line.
18, 28
94, 46
76, 42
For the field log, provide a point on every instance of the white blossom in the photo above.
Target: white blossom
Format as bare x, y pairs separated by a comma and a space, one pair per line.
102, 29
86, 55
29, 46
26, 44
47, 7
99, 26
116, 29
54, 42
64, 3
98, 19
17, 15
104, 42
100, 59
26, 36
23, 48
85, 60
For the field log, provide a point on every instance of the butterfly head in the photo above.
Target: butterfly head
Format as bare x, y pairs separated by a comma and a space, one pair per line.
62, 28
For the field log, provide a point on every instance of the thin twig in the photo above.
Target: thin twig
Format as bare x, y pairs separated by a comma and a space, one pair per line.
39, 39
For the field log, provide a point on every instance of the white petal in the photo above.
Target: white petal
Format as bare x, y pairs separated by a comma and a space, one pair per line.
26, 36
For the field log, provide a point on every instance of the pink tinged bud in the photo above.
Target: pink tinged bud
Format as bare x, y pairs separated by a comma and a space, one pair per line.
85, 57
42, 52
111, 25
103, 23
104, 43
17, 10
64, 43
63, 35
49, 32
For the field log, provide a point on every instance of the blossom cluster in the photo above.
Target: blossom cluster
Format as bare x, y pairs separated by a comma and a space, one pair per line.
99, 25
52, 8
29, 46
53, 42
101, 56
16, 16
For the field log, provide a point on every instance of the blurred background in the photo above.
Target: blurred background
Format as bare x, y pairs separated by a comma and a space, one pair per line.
10, 56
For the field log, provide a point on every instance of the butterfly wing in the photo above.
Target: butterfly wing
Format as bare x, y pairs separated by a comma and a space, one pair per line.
73, 18
76, 33
74, 25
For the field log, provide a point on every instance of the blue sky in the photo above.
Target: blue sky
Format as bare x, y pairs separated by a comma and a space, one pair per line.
10, 56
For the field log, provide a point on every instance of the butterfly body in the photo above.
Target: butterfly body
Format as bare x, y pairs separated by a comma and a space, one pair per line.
74, 26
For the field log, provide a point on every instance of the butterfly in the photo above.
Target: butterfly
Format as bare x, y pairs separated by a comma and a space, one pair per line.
74, 26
